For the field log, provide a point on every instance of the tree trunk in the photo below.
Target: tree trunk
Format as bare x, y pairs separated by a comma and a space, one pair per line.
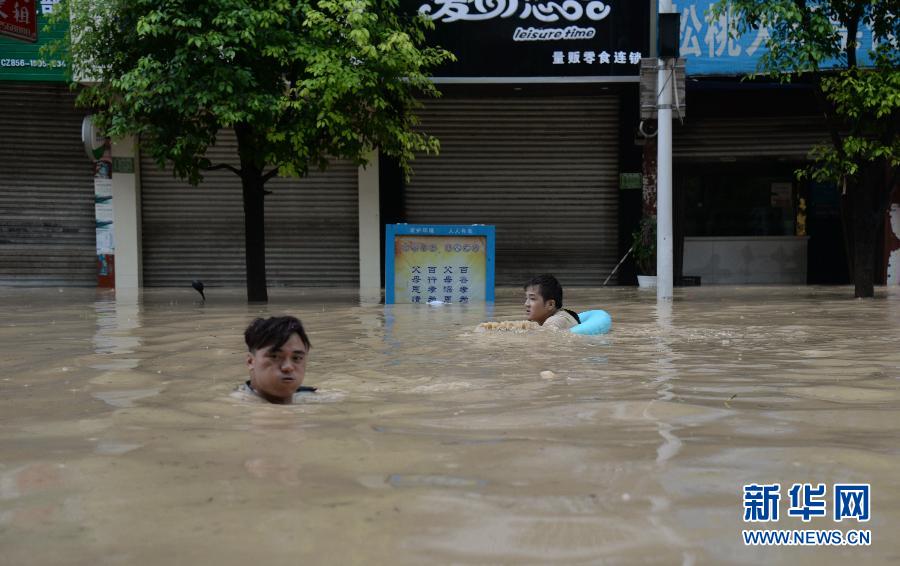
254, 219
867, 210
847, 227
255, 237
864, 257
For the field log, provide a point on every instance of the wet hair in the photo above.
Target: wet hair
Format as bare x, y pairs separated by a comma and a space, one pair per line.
273, 331
548, 288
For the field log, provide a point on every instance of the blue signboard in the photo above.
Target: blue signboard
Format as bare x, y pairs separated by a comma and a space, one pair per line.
709, 50
438, 263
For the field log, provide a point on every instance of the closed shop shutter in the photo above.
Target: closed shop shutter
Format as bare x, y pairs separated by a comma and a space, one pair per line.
788, 138
198, 232
544, 171
47, 235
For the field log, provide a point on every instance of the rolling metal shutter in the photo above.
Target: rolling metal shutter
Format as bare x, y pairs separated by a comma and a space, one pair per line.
47, 235
544, 171
198, 232
746, 138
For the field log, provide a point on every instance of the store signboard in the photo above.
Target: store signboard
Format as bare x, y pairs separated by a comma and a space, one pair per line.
538, 41
709, 49
20, 58
439, 264
18, 20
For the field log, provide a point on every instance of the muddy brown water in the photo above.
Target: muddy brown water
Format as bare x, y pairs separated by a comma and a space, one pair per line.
120, 442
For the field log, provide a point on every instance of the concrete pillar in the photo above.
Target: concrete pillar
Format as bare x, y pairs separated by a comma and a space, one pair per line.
369, 226
664, 243
126, 213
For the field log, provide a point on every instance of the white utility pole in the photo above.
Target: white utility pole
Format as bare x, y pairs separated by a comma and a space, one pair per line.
665, 82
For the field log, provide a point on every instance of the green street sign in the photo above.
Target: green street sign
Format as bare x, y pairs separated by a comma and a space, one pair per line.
123, 164
630, 181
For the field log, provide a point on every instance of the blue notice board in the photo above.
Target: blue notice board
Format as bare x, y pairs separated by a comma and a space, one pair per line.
426, 263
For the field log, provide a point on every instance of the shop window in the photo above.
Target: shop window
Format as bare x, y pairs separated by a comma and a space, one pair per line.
739, 202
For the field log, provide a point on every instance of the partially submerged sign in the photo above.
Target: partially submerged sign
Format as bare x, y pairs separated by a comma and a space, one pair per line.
439, 263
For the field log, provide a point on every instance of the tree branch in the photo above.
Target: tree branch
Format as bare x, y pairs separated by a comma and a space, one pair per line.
223, 166
824, 104
852, 24
269, 175
830, 119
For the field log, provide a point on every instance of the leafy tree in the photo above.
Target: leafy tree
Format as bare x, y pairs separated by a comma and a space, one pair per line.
300, 82
816, 41
644, 246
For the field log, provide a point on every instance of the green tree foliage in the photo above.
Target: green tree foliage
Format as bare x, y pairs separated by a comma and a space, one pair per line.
300, 82
815, 41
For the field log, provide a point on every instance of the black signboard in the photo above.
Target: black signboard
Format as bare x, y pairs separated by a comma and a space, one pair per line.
534, 40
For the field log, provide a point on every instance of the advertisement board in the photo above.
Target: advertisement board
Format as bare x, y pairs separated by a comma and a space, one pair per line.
538, 41
439, 263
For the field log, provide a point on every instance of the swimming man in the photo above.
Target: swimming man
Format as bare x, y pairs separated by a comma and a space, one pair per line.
276, 359
544, 304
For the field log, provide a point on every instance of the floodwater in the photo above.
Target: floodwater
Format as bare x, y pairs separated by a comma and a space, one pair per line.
120, 442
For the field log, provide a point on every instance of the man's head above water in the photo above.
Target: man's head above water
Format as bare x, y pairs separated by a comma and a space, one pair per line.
276, 358
543, 297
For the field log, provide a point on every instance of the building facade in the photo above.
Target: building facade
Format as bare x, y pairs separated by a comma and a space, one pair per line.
47, 217
540, 134
743, 215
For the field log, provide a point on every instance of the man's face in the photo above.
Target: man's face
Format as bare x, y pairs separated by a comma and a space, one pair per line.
536, 308
276, 374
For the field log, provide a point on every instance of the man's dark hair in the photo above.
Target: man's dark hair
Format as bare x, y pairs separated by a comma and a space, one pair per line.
273, 331
548, 288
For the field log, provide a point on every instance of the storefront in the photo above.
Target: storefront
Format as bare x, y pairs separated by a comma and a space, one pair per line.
47, 227
544, 171
197, 232
743, 215
536, 123
529, 126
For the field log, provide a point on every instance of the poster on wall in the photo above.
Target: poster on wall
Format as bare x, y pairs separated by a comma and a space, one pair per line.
439, 264
538, 41
103, 212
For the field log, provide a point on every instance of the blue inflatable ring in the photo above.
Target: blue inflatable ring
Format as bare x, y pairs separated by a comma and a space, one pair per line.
593, 322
